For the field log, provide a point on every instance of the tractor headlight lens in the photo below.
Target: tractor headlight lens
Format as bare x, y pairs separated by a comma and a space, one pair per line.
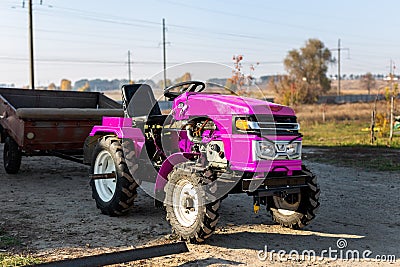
293, 150
276, 150
265, 149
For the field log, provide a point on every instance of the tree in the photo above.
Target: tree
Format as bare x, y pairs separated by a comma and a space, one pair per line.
161, 85
239, 79
184, 78
65, 85
285, 89
368, 82
85, 87
307, 70
51, 86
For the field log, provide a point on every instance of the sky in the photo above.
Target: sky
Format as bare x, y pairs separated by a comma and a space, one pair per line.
90, 39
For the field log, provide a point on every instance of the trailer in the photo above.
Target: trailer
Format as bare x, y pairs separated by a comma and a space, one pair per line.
43, 123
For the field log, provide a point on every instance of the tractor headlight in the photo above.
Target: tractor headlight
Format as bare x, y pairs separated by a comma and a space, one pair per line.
264, 150
276, 150
293, 150
246, 124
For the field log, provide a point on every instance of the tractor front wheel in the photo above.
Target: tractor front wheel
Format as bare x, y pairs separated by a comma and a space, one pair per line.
190, 216
298, 209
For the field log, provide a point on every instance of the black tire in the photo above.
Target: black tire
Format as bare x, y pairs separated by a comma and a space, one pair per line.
207, 215
12, 156
121, 200
304, 204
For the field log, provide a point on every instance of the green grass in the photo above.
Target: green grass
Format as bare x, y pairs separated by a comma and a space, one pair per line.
7, 241
343, 143
7, 260
343, 133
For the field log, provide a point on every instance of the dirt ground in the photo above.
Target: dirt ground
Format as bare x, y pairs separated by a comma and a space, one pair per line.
48, 206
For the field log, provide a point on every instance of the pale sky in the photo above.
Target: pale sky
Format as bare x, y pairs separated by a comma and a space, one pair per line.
90, 39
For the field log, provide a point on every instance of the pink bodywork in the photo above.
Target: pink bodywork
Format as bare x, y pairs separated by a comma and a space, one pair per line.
220, 109
238, 147
122, 128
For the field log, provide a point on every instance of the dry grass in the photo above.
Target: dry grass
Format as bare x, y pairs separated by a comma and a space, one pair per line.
345, 125
356, 111
355, 87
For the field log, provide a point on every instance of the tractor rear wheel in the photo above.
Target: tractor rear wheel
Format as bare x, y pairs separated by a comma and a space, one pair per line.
190, 216
113, 196
298, 209
12, 156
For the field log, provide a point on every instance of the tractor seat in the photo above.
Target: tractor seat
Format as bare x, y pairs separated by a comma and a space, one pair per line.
139, 101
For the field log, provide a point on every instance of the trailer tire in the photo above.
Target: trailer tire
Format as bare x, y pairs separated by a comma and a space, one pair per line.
113, 196
12, 156
194, 223
300, 212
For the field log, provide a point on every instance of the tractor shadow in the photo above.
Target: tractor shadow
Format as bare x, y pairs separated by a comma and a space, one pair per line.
240, 228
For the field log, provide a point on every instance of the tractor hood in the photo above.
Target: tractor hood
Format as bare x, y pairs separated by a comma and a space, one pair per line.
217, 104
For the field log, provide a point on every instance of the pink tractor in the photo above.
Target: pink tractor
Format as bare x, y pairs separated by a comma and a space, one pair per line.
211, 144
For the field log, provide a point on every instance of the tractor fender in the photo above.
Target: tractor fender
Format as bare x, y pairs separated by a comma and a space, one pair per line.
167, 167
119, 127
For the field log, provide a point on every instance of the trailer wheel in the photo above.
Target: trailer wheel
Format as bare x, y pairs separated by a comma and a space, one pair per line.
190, 217
12, 156
113, 196
297, 210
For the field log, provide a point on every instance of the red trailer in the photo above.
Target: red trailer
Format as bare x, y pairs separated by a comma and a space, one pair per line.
35, 123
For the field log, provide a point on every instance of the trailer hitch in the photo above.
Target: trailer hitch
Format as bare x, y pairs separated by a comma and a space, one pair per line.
102, 176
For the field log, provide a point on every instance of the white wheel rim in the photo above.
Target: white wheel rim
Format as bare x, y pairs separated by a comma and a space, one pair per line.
185, 203
286, 212
105, 188
281, 204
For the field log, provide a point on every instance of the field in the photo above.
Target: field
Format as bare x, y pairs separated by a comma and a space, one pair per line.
345, 125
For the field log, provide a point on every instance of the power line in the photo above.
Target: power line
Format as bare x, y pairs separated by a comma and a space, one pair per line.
192, 29
97, 61
125, 21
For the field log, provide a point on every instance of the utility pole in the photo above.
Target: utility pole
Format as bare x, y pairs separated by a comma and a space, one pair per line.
339, 77
164, 56
129, 67
391, 77
32, 67
339, 49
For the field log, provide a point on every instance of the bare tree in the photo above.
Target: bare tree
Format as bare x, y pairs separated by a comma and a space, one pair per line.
368, 82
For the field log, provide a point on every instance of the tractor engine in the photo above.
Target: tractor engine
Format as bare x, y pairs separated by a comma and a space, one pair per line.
202, 136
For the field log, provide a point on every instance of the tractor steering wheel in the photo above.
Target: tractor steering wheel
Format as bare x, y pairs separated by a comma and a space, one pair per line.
192, 86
